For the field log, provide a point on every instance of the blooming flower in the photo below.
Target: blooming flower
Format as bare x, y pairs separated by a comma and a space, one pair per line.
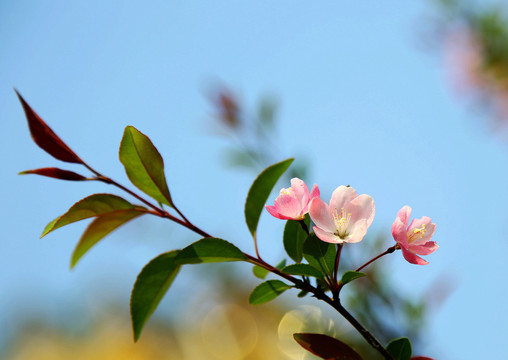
347, 217
293, 203
415, 238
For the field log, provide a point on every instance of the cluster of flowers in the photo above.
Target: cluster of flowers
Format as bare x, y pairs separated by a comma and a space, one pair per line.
348, 215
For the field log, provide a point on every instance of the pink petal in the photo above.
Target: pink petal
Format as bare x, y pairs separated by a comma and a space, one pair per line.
430, 228
424, 249
321, 215
301, 191
404, 214
314, 193
288, 206
327, 236
273, 211
399, 232
357, 232
412, 258
362, 207
342, 196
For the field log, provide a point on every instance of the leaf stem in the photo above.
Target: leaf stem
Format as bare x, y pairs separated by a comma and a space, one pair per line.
388, 251
337, 260
335, 303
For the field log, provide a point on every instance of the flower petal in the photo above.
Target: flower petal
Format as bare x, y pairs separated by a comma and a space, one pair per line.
424, 249
273, 211
321, 216
358, 231
399, 232
288, 206
413, 258
404, 214
301, 191
362, 207
327, 236
342, 196
314, 193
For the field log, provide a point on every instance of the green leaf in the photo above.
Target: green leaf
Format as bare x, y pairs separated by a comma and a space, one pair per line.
99, 228
326, 347
259, 192
260, 272
144, 165
350, 276
294, 237
94, 205
267, 291
319, 254
303, 270
400, 348
151, 285
209, 250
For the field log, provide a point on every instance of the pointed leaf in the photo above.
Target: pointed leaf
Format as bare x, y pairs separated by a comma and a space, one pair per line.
294, 237
260, 272
326, 347
94, 205
319, 254
45, 138
55, 173
400, 348
144, 165
209, 250
151, 285
350, 276
303, 270
267, 291
259, 192
99, 228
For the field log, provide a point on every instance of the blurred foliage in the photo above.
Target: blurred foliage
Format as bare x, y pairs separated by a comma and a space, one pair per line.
252, 133
375, 300
475, 38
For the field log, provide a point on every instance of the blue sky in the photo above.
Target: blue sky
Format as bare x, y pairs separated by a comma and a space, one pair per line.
361, 99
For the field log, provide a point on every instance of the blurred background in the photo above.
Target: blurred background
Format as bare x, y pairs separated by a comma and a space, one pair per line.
407, 103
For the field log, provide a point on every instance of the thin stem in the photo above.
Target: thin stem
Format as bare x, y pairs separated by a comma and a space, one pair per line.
335, 303
304, 226
388, 251
337, 260
256, 247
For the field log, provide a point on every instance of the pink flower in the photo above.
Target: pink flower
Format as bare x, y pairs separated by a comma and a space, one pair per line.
347, 217
415, 238
293, 203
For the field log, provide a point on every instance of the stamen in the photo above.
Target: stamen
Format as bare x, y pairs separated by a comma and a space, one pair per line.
342, 221
416, 233
287, 191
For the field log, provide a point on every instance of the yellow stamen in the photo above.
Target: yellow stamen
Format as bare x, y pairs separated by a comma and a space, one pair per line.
287, 191
416, 233
342, 221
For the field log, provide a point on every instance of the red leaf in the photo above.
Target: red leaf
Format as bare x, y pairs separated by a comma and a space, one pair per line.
421, 358
45, 137
55, 173
326, 347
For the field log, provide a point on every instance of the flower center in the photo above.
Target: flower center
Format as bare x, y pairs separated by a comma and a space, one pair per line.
342, 220
289, 191
416, 233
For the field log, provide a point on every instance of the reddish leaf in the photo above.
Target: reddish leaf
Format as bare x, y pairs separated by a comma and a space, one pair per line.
326, 347
421, 358
46, 138
55, 173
